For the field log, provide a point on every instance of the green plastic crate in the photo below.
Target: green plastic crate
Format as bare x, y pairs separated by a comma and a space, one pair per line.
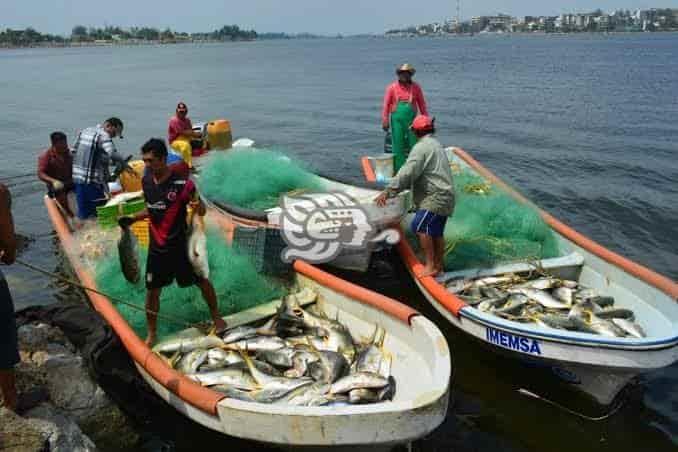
107, 217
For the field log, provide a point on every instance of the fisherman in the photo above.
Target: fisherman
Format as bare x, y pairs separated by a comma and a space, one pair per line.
402, 101
427, 171
94, 150
9, 351
167, 196
55, 168
180, 133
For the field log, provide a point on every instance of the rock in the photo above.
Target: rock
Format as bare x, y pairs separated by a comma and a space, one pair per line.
19, 434
62, 433
37, 336
48, 360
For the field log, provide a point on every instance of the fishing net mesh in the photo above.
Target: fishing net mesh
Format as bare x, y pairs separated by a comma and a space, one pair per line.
489, 227
237, 283
254, 178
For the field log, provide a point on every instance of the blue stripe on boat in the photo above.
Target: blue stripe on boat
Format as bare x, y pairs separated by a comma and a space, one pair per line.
625, 344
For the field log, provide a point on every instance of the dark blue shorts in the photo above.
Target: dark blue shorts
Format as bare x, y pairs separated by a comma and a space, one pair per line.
429, 223
9, 352
89, 197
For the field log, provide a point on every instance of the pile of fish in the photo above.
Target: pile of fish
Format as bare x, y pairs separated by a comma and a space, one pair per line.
299, 357
549, 302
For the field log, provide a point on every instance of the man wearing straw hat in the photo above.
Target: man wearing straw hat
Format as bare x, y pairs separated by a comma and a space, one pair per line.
403, 100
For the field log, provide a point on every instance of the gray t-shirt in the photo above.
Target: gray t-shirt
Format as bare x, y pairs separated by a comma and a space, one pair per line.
427, 173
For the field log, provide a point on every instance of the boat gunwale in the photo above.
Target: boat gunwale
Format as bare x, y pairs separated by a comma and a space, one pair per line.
656, 280
203, 398
189, 391
457, 306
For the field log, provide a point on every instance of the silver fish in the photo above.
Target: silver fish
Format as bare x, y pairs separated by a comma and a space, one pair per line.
315, 394
185, 345
258, 343
190, 362
556, 321
300, 362
564, 294
603, 302
358, 380
234, 393
238, 378
280, 358
543, 298
373, 358
492, 292
239, 333
225, 357
541, 284
128, 253
197, 247
329, 367
630, 327
514, 304
592, 324
458, 285
569, 284
363, 395
492, 281
616, 313
275, 385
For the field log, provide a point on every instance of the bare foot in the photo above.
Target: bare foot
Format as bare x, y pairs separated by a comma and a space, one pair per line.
150, 340
428, 271
219, 325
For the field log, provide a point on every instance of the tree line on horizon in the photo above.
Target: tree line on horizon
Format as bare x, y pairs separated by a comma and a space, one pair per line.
80, 33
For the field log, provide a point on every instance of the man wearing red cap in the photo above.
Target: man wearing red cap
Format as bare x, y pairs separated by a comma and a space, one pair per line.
427, 172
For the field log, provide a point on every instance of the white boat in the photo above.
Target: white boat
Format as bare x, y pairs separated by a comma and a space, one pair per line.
420, 366
349, 258
599, 366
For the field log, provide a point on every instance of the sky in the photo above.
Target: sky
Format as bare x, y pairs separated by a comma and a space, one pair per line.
291, 16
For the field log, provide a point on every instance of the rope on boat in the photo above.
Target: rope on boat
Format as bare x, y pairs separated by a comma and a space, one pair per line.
174, 319
607, 415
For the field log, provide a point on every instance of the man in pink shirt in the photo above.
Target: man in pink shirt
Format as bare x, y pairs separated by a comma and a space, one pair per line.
403, 100
180, 133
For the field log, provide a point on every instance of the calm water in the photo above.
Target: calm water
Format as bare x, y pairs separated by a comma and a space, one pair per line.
585, 126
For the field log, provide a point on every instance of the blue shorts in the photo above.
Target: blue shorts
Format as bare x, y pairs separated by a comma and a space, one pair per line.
89, 197
429, 223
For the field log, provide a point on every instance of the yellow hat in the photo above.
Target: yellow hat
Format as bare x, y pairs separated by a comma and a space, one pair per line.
407, 67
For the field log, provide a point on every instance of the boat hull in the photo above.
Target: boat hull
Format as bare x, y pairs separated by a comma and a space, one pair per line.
420, 353
598, 366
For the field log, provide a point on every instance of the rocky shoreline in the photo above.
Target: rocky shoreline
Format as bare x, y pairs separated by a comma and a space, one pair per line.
78, 414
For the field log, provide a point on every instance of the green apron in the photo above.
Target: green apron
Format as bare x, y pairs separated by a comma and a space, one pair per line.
402, 138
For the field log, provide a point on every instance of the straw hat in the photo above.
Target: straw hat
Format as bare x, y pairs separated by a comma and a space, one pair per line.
407, 67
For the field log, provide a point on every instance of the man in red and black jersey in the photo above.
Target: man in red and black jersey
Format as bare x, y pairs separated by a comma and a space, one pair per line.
167, 195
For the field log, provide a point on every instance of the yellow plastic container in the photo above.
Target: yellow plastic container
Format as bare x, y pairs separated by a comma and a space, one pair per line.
219, 134
140, 231
131, 181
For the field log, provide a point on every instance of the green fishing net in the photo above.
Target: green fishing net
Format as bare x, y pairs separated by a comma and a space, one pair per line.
490, 227
254, 178
237, 284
